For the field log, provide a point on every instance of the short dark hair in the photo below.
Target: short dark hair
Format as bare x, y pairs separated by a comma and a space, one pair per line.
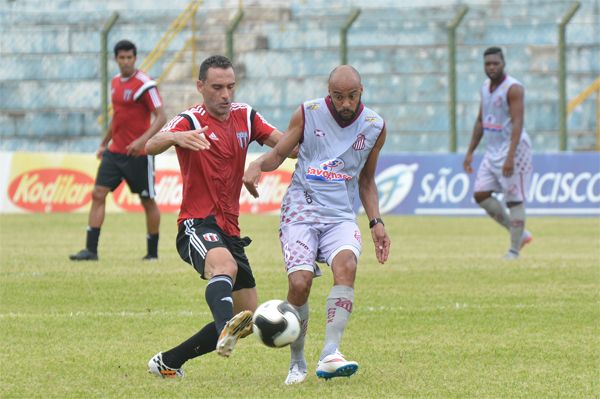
214, 61
493, 50
125, 45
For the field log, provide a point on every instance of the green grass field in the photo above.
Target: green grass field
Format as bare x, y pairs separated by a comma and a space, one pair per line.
446, 317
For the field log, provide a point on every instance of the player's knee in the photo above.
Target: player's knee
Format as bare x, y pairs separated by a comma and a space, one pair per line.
300, 283
481, 196
99, 194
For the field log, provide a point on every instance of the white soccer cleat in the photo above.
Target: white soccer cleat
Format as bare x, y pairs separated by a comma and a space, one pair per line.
236, 327
158, 368
295, 375
511, 255
525, 239
335, 365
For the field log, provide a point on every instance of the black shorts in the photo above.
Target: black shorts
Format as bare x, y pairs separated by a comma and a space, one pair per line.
197, 236
138, 172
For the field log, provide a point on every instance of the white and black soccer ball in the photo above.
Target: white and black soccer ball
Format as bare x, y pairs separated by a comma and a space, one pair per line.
276, 323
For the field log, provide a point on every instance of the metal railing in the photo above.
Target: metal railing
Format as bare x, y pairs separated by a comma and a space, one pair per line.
178, 24
581, 97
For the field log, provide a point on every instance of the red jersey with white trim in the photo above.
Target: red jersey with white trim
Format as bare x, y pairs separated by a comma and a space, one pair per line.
212, 179
133, 99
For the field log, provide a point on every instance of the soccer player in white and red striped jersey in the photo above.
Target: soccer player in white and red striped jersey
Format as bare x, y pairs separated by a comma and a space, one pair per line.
135, 100
507, 164
211, 141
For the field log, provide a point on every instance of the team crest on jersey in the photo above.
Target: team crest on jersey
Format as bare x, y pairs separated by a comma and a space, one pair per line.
313, 106
127, 94
210, 237
359, 143
242, 138
319, 133
498, 102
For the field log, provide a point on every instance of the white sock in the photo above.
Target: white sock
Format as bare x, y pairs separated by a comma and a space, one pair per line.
517, 225
339, 308
496, 211
297, 347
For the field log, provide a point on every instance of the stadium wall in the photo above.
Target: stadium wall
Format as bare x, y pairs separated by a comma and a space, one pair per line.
428, 184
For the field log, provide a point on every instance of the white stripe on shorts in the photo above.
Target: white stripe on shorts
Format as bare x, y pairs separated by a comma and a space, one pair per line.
194, 240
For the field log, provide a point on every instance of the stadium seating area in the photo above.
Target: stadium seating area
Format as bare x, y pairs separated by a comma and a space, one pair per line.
50, 63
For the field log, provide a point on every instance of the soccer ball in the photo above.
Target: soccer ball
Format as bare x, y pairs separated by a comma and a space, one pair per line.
276, 323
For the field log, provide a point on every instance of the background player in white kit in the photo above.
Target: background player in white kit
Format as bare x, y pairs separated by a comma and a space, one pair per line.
506, 166
340, 140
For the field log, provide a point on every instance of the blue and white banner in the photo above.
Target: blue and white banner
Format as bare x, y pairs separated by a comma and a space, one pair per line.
436, 184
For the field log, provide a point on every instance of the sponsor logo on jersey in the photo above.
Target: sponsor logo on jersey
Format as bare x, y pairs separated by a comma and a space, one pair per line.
333, 165
210, 237
325, 175
359, 143
319, 133
242, 138
51, 190
489, 123
313, 106
370, 119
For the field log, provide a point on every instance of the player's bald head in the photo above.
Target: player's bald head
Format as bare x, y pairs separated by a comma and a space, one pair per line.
344, 77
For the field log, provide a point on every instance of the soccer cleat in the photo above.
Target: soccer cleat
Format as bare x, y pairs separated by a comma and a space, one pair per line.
525, 239
234, 329
295, 375
511, 255
84, 254
158, 368
150, 258
335, 365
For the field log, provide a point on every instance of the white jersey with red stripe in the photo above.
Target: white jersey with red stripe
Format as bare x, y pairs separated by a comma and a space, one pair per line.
496, 120
332, 154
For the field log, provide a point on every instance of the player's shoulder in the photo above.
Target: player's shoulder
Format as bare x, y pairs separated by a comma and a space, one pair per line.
314, 104
142, 77
511, 81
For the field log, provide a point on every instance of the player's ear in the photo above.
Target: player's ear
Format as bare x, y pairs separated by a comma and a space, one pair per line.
199, 85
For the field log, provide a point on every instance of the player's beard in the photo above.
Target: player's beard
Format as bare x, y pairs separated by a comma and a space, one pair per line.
348, 114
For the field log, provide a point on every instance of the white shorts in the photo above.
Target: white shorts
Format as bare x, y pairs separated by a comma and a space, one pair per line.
514, 188
303, 244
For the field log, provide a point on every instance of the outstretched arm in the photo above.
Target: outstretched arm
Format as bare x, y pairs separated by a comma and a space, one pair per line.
190, 139
272, 159
369, 197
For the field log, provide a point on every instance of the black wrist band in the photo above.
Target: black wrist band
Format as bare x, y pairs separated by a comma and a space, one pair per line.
373, 222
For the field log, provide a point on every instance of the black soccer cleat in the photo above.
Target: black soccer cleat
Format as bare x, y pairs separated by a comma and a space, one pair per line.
84, 254
150, 258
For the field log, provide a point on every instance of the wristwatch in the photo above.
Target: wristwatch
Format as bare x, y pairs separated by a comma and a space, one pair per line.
373, 222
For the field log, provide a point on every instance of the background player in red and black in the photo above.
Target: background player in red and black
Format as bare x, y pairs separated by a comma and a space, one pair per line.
211, 141
135, 100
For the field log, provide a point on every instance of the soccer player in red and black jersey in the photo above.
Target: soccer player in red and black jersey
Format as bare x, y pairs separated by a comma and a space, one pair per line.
135, 100
211, 141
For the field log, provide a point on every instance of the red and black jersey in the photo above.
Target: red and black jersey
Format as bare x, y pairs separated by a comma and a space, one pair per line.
212, 179
133, 99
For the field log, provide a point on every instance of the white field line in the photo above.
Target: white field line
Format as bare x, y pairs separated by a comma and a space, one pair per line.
184, 313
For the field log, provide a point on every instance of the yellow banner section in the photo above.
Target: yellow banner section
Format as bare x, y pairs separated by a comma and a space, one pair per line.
59, 182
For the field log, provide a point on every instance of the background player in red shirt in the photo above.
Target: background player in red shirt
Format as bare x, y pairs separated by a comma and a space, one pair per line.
135, 99
211, 141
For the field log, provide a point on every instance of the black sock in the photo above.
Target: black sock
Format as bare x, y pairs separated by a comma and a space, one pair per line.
152, 245
219, 300
91, 240
204, 341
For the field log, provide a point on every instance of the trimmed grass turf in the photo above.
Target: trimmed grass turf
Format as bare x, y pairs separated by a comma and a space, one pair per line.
445, 317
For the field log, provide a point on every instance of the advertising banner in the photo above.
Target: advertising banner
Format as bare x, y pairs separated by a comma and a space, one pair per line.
435, 184
423, 184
